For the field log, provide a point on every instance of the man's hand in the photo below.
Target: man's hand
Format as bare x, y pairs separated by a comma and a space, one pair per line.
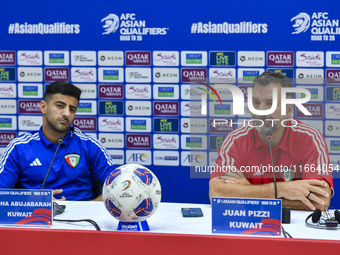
99, 198
235, 177
299, 190
58, 191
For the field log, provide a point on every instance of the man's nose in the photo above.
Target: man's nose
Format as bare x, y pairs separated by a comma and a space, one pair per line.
66, 112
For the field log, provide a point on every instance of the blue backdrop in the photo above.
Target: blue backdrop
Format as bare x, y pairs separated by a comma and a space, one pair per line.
179, 26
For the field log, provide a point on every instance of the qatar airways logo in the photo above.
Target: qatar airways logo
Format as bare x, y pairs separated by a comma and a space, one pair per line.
29, 106
194, 74
56, 74
238, 100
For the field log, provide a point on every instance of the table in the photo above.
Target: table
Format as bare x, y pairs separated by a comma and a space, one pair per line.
169, 233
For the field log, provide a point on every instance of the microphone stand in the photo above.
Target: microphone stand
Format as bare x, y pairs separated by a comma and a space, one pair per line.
285, 210
57, 209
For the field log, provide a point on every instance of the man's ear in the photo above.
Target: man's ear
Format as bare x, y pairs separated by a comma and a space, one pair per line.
43, 106
289, 110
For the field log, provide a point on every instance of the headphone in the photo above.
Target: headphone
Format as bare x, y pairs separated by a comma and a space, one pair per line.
324, 220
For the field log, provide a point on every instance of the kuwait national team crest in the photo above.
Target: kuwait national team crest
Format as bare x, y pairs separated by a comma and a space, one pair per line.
72, 159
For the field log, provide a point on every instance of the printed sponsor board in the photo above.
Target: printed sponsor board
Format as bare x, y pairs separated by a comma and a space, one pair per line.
136, 75
7, 74
8, 90
111, 107
165, 125
110, 58
166, 108
166, 75
165, 58
138, 124
6, 137
194, 125
113, 91
194, 58
193, 142
140, 141
32, 123
166, 158
57, 74
83, 58
88, 91
138, 91
56, 58
139, 108
138, 58
143, 157
85, 123
7, 58
163, 141
280, 58
30, 90
117, 156
251, 58
165, 92
111, 124
8, 122
111, 140
30, 58
222, 58
8, 106
87, 107
29, 106
110, 74
83, 74
30, 74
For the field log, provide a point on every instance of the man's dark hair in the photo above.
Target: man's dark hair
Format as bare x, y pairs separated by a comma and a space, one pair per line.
273, 77
61, 87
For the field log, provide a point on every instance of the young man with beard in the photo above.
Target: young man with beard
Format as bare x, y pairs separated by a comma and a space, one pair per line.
245, 156
80, 157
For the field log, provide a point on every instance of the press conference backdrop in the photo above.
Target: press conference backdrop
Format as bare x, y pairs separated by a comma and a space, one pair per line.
133, 61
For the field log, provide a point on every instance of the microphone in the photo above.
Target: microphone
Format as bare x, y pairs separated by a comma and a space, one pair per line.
60, 141
57, 209
285, 210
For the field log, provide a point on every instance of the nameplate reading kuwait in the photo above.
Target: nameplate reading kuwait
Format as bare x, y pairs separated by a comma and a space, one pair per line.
246, 216
26, 207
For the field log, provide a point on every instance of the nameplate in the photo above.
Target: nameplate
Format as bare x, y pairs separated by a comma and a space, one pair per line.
26, 207
246, 216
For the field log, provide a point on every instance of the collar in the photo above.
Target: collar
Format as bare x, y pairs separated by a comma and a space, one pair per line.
66, 142
283, 145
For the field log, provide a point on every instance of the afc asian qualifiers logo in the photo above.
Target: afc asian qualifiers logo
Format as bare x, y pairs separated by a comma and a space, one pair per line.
302, 22
111, 23
72, 159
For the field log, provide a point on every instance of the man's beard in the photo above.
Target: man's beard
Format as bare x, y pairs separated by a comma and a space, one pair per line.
54, 124
272, 126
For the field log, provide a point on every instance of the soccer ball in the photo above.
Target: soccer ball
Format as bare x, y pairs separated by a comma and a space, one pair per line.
131, 193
